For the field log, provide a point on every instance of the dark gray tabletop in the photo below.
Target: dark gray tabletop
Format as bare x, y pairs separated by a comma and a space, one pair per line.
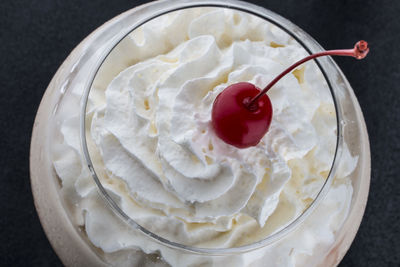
37, 35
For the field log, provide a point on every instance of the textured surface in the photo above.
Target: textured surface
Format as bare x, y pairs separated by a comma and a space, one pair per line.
36, 36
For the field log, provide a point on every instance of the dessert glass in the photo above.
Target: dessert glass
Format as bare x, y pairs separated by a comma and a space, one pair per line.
79, 70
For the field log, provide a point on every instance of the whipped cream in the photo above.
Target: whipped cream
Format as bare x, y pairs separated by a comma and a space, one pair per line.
155, 151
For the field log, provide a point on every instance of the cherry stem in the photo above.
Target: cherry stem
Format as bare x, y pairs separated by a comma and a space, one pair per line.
359, 51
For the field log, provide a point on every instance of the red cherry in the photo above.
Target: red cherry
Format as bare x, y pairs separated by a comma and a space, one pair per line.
242, 113
235, 122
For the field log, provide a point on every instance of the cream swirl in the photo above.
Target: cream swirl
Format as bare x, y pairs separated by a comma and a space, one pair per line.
158, 155
157, 115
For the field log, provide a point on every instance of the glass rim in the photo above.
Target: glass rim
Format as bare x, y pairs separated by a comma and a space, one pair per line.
160, 8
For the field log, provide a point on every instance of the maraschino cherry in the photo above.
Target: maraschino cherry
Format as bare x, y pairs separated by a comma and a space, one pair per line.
242, 113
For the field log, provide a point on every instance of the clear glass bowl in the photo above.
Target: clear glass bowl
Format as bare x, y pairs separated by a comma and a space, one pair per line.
70, 90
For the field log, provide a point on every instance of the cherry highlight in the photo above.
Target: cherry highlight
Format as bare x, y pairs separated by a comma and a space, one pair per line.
242, 113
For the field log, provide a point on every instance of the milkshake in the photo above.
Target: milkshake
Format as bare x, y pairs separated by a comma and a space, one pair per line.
152, 147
